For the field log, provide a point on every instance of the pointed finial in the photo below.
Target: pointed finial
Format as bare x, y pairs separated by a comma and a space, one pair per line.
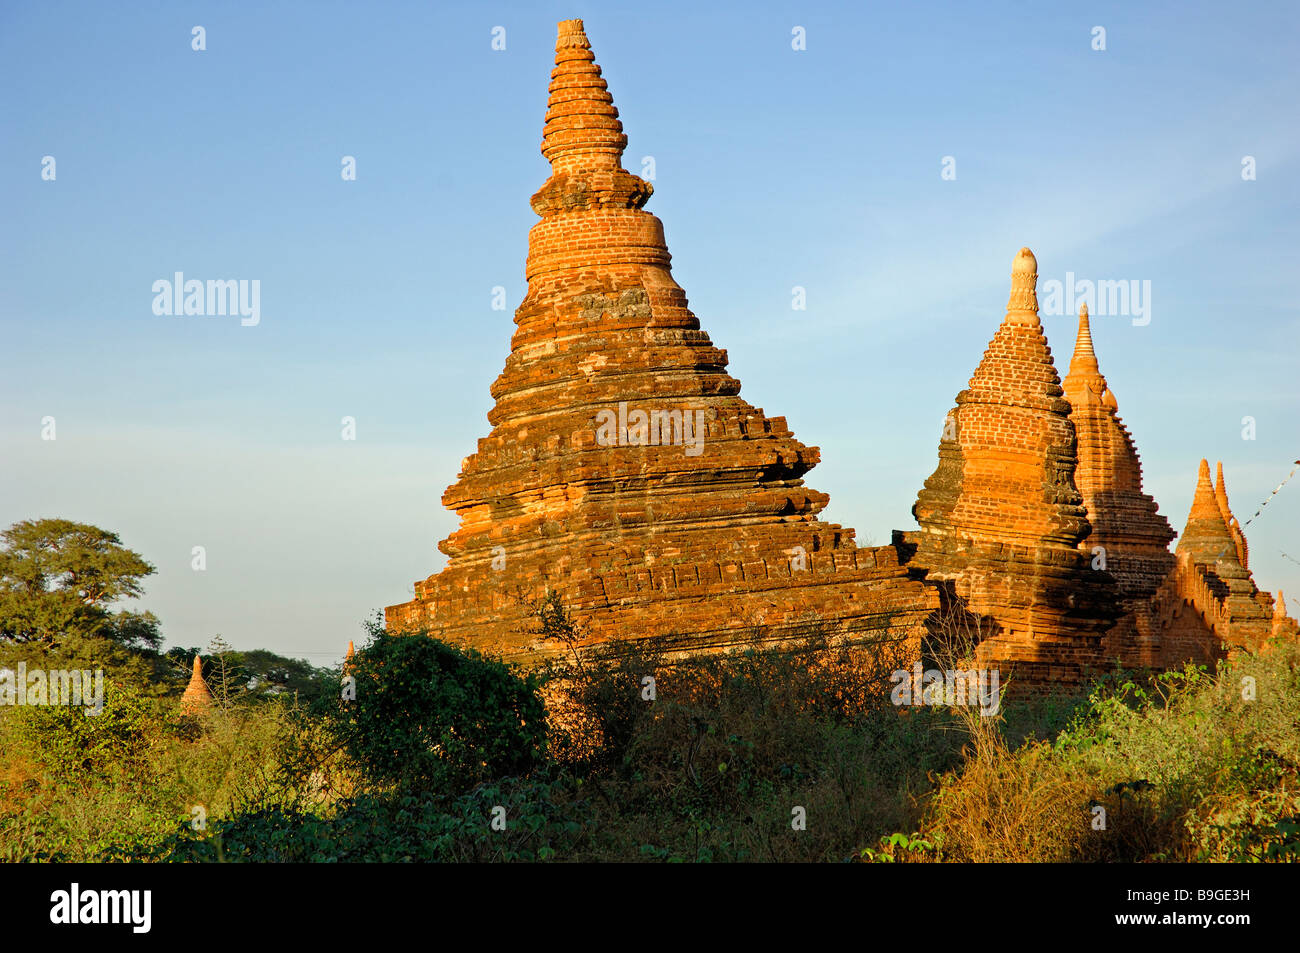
1204, 503
582, 131
1085, 358
1234, 527
1221, 494
1203, 477
1279, 607
571, 36
1022, 306
1207, 538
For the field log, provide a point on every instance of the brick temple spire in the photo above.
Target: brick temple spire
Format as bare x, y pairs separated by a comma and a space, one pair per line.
1127, 530
197, 698
582, 131
1001, 516
1207, 538
1008, 439
1022, 305
623, 471
1126, 523
1238, 536
1283, 625
1084, 361
1208, 542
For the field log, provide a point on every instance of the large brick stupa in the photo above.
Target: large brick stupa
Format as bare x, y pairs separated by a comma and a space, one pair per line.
623, 470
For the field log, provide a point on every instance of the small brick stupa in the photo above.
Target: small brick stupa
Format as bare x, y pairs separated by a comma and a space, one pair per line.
1001, 519
197, 698
623, 470
1243, 619
1284, 627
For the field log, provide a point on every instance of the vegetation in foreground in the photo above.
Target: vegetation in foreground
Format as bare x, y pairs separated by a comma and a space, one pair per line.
616, 754
422, 751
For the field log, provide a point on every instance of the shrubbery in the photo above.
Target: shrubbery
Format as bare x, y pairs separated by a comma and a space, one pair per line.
1183, 766
617, 753
431, 717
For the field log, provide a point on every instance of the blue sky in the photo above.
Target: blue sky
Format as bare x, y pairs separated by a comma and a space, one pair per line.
774, 168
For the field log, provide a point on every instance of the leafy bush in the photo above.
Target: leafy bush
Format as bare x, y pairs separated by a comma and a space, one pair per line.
428, 716
72, 742
712, 767
534, 820
1180, 766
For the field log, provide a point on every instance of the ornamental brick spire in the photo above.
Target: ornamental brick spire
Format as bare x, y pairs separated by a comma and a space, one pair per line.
1007, 458
1125, 521
623, 471
583, 132
1084, 361
1283, 625
1001, 516
1207, 538
1238, 537
1022, 305
197, 698
1209, 544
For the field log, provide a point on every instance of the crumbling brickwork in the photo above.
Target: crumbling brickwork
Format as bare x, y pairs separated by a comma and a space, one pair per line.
623, 469
1001, 519
624, 472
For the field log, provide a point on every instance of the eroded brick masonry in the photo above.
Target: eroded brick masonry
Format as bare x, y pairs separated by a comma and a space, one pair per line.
624, 472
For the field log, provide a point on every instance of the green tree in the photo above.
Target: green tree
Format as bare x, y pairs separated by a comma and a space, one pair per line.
432, 717
60, 578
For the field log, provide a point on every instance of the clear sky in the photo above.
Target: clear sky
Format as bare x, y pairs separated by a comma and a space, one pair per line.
774, 168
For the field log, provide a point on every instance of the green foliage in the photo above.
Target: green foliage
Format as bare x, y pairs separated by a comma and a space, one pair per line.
539, 820
59, 577
432, 717
73, 742
710, 769
639, 756
895, 846
1183, 766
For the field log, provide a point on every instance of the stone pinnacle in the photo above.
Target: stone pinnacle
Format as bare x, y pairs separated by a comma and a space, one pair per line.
1022, 307
582, 130
1084, 360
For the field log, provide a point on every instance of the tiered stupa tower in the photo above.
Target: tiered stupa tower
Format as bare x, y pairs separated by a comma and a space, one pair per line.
1129, 537
1244, 617
623, 470
1001, 518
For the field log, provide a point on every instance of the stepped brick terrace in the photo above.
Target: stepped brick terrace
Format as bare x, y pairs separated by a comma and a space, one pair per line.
624, 472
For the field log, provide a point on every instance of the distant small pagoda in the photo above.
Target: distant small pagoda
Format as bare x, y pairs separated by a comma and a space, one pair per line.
197, 698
